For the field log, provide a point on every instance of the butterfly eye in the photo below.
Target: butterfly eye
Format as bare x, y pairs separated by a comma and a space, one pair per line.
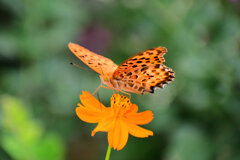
105, 78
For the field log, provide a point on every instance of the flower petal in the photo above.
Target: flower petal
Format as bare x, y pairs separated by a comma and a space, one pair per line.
138, 131
133, 109
118, 136
91, 102
90, 116
106, 124
140, 118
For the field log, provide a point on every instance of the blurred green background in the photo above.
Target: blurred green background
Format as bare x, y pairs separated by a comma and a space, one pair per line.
196, 117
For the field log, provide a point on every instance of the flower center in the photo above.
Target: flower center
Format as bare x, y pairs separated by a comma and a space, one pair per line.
120, 104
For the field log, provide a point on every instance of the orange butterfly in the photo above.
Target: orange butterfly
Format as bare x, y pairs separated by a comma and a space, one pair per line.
139, 74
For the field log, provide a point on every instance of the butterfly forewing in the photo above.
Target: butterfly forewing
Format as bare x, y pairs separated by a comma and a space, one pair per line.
97, 62
142, 59
144, 71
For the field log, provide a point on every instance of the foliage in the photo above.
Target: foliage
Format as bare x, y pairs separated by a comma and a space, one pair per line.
24, 137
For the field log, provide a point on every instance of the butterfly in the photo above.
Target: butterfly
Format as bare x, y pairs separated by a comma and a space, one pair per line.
140, 74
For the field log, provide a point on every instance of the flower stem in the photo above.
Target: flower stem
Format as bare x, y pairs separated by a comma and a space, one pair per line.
108, 153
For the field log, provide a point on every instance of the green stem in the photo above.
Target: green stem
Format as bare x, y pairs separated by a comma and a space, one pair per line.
108, 153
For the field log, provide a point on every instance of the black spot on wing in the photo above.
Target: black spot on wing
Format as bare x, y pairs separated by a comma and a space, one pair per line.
152, 89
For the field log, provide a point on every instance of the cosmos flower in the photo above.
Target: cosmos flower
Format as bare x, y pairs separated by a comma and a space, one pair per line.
118, 121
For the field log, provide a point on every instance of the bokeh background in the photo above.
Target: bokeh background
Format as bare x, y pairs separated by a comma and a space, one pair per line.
196, 117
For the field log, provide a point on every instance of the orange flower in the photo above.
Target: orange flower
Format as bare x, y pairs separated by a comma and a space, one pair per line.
118, 120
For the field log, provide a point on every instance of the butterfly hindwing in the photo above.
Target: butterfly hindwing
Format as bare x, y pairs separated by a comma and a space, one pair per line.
144, 80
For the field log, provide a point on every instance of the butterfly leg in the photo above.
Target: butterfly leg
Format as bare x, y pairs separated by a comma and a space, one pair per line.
100, 86
126, 93
99, 101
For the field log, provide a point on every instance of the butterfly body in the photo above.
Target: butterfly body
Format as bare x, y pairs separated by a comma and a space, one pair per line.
118, 85
140, 74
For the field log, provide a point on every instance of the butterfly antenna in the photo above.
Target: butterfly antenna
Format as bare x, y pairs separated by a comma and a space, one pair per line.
76, 65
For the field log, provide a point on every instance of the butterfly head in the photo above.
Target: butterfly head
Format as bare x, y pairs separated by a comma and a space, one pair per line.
105, 78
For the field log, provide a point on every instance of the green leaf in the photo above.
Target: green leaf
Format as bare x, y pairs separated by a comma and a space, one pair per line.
23, 136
